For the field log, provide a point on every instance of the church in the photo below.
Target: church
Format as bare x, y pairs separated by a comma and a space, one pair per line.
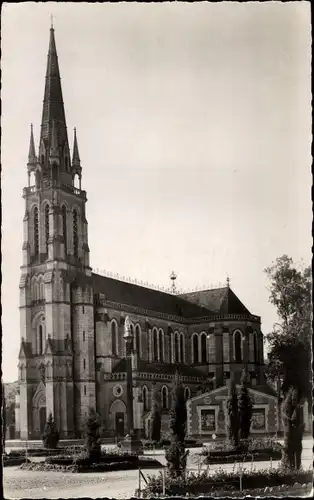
73, 354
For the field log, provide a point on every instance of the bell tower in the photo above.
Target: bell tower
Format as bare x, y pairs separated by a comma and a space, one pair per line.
56, 295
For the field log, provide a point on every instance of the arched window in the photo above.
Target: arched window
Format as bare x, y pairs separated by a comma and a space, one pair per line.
75, 233
36, 231
255, 347
203, 348
155, 344
176, 348
187, 393
170, 347
46, 226
195, 348
40, 339
145, 398
138, 340
161, 350
84, 363
114, 338
237, 339
181, 348
64, 228
133, 340
164, 398
41, 290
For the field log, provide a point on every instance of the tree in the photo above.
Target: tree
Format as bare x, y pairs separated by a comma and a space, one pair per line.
294, 427
91, 434
155, 415
176, 455
245, 409
289, 359
50, 436
233, 414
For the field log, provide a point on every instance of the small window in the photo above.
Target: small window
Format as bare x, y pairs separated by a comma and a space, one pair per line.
84, 364
84, 390
83, 309
83, 336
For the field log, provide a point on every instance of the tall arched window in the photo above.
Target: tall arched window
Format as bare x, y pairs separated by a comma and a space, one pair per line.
138, 340
36, 231
164, 398
64, 228
170, 347
133, 341
255, 347
195, 348
40, 339
155, 344
176, 348
46, 226
181, 348
161, 350
41, 289
237, 338
203, 348
145, 398
187, 393
75, 233
114, 338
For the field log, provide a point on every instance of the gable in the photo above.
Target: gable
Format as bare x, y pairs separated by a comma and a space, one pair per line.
218, 300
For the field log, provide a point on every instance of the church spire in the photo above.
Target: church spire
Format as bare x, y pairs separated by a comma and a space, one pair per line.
53, 108
32, 160
76, 162
54, 147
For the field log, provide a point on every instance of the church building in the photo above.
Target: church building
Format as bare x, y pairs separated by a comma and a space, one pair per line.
73, 354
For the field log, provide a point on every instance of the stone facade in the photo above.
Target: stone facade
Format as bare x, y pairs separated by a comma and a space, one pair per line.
72, 354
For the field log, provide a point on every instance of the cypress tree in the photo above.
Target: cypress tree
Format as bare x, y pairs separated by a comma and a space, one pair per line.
233, 415
156, 415
293, 430
176, 455
91, 434
245, 409
50, 436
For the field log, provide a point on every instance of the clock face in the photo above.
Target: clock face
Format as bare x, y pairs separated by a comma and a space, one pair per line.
117, 390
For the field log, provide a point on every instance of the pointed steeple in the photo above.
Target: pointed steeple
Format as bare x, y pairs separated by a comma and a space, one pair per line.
32, 160
53, 108
76, 162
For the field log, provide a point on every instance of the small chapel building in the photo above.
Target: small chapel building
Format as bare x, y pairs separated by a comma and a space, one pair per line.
72, 354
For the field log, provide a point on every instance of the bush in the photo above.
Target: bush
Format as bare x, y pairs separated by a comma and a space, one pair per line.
91, 434
233, 415
245, 409
204, 483
51, 435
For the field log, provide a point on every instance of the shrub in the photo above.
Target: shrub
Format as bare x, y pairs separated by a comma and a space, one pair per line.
51, 435
245, 409
293, 428
233, 415
155, 415
91, 434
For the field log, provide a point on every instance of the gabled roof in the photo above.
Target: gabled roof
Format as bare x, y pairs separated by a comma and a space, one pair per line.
25, 350
146, 298
219, 300
168, 368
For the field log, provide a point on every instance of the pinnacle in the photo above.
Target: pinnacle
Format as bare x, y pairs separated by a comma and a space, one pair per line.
32, 160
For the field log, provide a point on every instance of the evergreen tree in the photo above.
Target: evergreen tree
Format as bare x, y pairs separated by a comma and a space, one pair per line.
91, 434
245, 409
176, 455
50, 436
293, 430
233, 414
155, 415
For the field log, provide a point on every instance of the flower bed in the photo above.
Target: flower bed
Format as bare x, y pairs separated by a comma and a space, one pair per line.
44, 452
256, 456
203, 483
8, 461
92, 467
164, 443
246, 451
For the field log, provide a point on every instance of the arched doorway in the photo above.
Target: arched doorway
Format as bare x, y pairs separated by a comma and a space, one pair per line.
42, 419
118, 417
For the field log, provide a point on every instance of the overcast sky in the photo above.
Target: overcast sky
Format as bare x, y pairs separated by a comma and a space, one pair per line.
194, 130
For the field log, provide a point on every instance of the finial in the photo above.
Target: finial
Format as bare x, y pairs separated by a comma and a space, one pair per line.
173, 278
51, 22
228, 281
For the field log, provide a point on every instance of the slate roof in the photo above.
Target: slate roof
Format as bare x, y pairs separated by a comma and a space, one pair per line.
168, 368
146, 298
219, 300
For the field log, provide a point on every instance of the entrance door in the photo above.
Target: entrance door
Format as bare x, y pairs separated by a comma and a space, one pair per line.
42, 419
120, 424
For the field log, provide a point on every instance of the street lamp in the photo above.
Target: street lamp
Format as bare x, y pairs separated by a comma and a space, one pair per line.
130, 443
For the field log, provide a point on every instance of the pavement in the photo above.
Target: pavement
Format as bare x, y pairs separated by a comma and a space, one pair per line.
118, 484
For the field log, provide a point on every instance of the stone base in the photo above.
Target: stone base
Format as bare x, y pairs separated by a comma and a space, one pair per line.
132, 444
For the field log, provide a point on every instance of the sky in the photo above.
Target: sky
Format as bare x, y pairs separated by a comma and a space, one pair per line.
194, 129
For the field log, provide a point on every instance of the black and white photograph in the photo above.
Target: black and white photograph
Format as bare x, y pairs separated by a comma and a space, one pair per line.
156, 249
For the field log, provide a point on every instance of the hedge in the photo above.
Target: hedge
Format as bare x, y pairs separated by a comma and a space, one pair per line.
96, 467
256, 456
163, 443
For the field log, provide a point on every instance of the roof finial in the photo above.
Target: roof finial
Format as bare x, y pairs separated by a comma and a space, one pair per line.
173, 278
228, 281
51, 22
